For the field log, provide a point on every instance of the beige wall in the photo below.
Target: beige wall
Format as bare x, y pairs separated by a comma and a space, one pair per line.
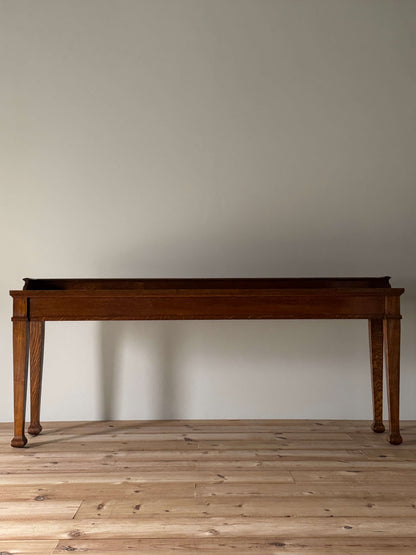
207, 138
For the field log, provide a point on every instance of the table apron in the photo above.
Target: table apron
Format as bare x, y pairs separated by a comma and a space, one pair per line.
208, 307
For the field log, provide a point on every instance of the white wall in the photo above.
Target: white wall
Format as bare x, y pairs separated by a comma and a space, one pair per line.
207, 138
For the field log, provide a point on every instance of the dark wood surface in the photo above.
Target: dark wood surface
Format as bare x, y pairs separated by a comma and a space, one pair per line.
36, 344
370, 298
203, 283
375, 331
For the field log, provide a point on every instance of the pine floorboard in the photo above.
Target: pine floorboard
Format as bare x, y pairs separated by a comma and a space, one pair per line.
208, 486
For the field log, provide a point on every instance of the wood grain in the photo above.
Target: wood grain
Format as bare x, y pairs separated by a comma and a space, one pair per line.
392, 347
375, 329
20, 367
112, 497
36, 347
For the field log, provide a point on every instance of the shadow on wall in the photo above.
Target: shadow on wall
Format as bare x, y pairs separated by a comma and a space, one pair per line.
261, 363
160, 337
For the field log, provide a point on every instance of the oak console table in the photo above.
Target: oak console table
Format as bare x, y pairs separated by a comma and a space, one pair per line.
40, 300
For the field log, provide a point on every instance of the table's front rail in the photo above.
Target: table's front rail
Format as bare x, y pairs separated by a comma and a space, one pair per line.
183, 305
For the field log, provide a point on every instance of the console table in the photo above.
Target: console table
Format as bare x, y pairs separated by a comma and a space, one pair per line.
40, 300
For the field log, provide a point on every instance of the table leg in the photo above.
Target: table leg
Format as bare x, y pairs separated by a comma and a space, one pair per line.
36, 343
392, 348
20, 355
375, 332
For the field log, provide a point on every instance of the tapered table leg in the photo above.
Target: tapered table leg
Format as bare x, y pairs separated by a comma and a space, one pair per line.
392, 348
375, 332
20, 355
36, 344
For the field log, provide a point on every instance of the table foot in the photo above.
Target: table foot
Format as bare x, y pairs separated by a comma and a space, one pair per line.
18, 441
378, 427
34, 429
395, 438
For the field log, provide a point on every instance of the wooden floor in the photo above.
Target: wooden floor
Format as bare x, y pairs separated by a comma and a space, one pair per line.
234, 486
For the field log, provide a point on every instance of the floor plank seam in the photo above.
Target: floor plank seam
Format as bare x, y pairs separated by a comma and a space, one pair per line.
264, 487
